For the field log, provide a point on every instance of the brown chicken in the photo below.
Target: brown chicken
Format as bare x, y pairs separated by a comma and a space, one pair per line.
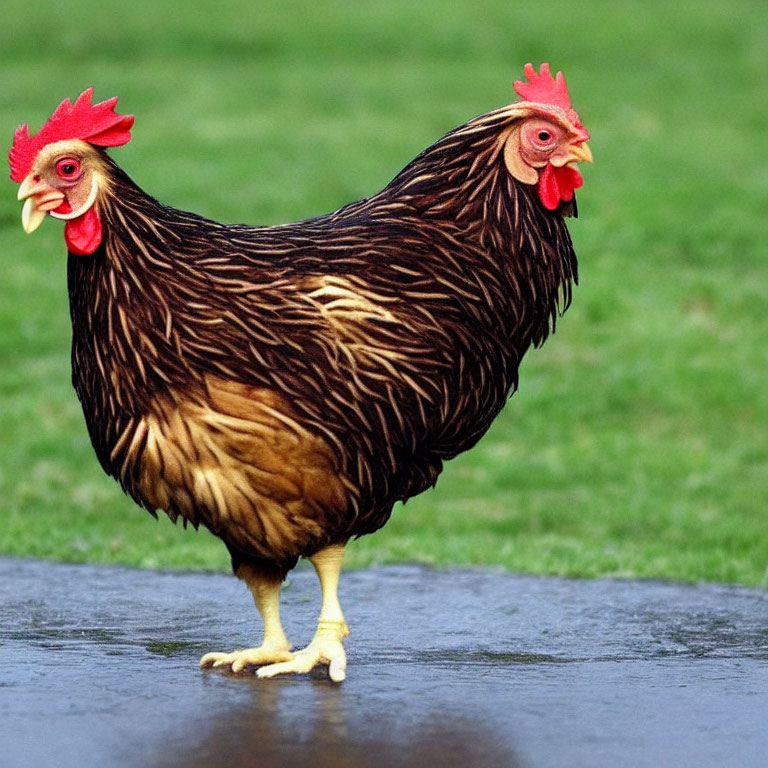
285, 386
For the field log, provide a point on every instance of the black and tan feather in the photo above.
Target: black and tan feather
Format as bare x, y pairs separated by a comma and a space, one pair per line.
285, 386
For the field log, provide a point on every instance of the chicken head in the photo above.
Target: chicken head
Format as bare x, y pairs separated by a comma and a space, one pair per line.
545, 144
60, 170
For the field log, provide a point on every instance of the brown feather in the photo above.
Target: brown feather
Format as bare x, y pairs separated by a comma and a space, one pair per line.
285, 386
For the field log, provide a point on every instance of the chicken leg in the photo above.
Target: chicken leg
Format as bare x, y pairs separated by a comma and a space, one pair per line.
275, 646
326, 647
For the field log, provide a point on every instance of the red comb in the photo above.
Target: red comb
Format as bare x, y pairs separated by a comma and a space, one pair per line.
542, 88
94, 123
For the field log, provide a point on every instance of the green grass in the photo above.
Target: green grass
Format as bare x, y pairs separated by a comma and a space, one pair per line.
638, 443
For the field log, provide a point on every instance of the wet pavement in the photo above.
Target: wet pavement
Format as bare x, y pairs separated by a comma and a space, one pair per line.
98, 667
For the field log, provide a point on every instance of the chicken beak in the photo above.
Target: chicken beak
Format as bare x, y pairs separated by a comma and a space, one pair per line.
31, 216
581, 153
39, 198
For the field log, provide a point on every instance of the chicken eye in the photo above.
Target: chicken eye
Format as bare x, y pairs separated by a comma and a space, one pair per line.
541, 138
68, 168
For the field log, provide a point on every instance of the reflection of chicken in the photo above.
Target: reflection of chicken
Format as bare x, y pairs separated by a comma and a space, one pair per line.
285, 386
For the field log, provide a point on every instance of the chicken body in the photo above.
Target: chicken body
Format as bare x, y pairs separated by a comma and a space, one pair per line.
286, 386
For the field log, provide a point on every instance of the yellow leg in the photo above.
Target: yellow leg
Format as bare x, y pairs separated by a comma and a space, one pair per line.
275, 646
326, 646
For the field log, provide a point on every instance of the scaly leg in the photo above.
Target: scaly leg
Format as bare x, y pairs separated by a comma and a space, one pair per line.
275, 646
326, 647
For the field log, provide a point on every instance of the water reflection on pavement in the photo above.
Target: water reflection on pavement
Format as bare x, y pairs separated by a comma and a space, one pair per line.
98, 666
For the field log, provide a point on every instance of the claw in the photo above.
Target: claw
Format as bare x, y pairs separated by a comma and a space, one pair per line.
325, 648
248, 657
273, 656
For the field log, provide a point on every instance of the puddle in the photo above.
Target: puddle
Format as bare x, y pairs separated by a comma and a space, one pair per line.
451, 668
490, 658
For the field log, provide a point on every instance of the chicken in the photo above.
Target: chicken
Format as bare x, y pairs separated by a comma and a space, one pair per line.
285, 386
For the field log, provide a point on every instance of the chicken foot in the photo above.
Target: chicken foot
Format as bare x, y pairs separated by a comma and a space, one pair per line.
326, 646
275, 646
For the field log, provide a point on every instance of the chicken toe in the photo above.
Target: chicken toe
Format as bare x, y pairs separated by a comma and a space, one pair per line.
326, 648
267, 653
275, 646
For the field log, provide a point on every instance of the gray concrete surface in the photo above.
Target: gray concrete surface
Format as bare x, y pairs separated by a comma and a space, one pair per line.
98, 667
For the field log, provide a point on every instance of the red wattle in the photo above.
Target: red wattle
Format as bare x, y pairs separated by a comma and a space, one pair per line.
549, 194
558, 184
83, 234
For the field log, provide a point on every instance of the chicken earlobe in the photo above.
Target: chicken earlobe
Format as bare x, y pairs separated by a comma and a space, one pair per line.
513, 159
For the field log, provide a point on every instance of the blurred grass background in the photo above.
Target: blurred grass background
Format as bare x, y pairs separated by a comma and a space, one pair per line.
638, 443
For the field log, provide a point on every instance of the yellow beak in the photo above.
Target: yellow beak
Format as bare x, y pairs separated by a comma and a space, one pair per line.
581, 153
39, 198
